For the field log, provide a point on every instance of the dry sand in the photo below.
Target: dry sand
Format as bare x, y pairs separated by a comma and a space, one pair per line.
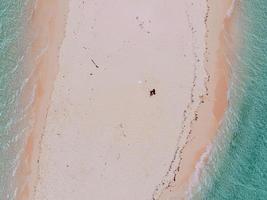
105, 137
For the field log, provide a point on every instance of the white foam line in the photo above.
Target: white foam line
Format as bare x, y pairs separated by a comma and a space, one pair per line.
198, 170
231, 9
43, 51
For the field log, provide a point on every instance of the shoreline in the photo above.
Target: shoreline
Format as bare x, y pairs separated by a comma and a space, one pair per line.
210, 112
147, 119
41, 105
43, 56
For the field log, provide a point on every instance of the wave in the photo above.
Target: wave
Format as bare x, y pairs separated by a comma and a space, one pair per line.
237, 167
230, 10
15, 74
195, 178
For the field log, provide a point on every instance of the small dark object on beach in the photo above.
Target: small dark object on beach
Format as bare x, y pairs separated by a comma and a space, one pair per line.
152, 92
94, 63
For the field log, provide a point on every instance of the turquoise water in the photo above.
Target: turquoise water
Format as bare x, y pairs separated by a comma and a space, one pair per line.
237, 169
13, 20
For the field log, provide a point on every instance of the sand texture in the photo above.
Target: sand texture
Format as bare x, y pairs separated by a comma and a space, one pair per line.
132, 77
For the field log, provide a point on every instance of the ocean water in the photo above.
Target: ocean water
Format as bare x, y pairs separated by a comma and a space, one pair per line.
237, 167
14, 15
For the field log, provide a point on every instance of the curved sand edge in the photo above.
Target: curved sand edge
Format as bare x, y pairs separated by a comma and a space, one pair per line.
64, 166
47, 32
205, 120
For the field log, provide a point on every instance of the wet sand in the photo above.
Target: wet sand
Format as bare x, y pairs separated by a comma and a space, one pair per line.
47, 32
205, 121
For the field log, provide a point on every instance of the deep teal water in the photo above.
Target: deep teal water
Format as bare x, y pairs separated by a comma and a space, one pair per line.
237, 169
13, 45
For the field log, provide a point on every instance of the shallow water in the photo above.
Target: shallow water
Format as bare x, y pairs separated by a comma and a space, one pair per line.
13, 45
237, 168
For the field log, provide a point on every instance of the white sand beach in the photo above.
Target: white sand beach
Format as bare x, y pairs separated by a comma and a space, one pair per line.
106, 136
